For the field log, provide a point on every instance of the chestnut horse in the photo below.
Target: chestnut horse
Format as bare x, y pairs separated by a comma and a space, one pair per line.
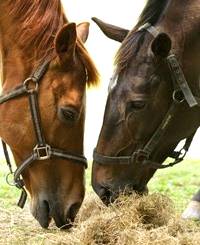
45, 70
153, 99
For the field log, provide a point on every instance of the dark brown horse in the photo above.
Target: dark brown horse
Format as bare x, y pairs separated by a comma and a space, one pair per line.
38, 43
153, 99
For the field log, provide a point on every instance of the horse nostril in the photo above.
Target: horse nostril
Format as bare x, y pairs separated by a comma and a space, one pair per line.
73, 210
71, 214
41, 211
46, 204
105, 194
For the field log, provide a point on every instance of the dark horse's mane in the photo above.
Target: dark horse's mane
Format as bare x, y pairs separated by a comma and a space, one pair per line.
152, 13
39, 21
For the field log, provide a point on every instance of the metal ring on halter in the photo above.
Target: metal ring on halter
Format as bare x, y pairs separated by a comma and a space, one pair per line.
178, 96
8, 181
140, 156
31, 85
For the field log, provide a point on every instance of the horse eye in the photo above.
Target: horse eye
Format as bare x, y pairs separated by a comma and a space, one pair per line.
68, 114
136, 105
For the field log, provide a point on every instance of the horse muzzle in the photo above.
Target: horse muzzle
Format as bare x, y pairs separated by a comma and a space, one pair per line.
109, 192
44, 210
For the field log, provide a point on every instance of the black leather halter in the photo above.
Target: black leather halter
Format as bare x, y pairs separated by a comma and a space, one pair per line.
42, 151
181, 93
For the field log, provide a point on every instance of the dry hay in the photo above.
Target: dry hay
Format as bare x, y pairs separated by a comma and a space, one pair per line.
134, 220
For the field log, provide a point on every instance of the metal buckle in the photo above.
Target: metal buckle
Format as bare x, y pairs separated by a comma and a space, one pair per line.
19, 183
141, 156
31, 85
178, 96
182, 154
43, 152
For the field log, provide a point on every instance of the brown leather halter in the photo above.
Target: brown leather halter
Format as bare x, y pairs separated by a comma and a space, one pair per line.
181, 93
42, 150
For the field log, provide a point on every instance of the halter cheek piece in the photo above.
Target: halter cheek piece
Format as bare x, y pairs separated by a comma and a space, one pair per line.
42, 151
181, 93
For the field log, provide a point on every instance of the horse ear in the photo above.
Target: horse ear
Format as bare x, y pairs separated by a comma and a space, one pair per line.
161, 45
83, 31
65, 42
113, 32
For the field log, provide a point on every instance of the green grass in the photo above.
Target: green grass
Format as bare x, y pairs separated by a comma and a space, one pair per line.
8, 194
179, 183
18, 227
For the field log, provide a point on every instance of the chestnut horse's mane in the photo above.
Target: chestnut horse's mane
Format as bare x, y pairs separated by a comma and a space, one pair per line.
152, 13
39, 21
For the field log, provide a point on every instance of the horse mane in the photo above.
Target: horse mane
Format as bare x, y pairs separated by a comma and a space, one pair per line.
39, 22
152, 13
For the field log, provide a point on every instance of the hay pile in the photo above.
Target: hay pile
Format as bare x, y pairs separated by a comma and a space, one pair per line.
131, 220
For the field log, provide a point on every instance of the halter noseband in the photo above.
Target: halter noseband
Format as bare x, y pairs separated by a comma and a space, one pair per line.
180, 87
42, 151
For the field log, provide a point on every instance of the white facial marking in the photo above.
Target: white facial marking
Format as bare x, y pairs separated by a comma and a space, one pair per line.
113, 82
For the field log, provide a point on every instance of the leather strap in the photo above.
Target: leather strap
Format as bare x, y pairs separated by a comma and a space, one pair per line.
36, 119
106, 160
21, 169
19, 91
178, 77
6, 154
63, 154
161, 130
40, 71
151, 29
22, 199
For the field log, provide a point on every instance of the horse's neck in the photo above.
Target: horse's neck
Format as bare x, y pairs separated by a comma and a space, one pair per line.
181, 20
13, 59
14, 65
